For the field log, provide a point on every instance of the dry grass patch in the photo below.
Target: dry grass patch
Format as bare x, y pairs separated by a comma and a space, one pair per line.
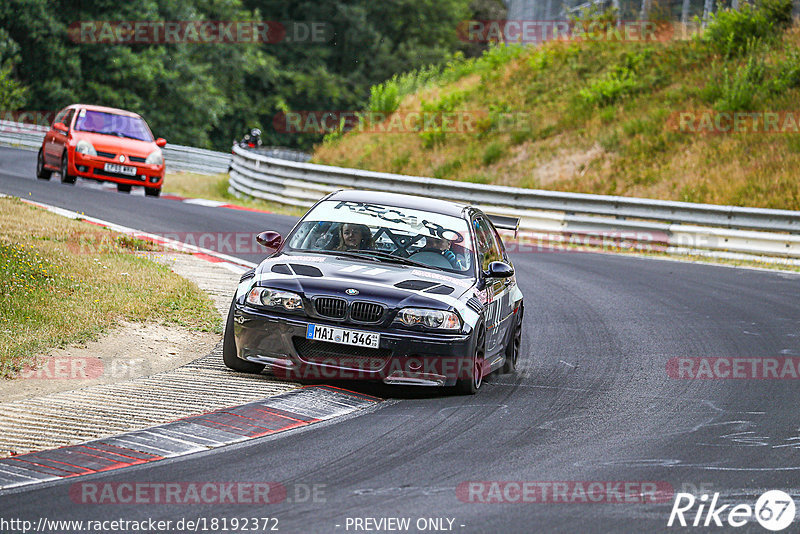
64, 281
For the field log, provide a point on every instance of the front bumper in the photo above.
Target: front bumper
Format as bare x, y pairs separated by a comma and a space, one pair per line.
92, 167
414, 358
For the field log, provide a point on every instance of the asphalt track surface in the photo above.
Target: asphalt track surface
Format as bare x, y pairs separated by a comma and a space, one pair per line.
591, 401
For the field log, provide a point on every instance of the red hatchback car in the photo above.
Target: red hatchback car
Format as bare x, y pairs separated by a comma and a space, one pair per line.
105, 144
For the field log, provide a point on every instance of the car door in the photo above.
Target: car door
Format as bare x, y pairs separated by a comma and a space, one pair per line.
60, 137
495, 289
509, 284
52, 152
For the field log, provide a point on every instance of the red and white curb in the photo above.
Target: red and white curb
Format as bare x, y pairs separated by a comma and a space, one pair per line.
294, 409
231, 263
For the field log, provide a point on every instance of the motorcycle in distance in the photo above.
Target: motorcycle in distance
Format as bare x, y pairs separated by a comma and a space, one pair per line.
251, 140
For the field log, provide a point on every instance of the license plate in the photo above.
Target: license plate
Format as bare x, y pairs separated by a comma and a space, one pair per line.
343, 336
120, 169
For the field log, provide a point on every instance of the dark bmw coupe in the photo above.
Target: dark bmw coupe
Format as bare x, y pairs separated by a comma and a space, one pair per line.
380, 286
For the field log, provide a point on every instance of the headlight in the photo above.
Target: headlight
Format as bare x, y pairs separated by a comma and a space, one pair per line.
443, 320
155, 158
85, 147
262, 296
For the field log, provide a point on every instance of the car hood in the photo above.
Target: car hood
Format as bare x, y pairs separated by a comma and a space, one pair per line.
391, 284
117, 145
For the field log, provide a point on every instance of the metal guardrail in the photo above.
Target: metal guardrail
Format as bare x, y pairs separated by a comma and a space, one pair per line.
280, 152
185, 158
680, 227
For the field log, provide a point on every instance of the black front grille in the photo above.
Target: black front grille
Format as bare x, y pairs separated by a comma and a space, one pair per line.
331, 307
324, 352
106, 154
137, 159
366, 312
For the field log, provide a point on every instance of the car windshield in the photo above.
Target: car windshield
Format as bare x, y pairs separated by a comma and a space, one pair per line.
386, 233
113, 124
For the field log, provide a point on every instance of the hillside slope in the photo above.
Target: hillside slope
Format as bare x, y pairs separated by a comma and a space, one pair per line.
645, 119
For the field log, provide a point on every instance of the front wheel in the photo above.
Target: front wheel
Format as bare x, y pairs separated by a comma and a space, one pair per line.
65, 176
152, 191
471, 382
513, 347
41, 172
229, 356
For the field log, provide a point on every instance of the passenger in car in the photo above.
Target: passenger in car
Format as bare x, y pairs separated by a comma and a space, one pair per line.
355, 237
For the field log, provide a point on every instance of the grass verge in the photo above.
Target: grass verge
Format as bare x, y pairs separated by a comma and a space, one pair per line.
64, 281
607, 117
215, 187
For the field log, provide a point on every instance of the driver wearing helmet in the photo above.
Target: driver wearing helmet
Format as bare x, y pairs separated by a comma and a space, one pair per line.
441, 246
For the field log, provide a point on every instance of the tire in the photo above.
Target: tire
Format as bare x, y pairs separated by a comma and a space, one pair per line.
472, 382
152, 191
65, 176
41, 172
513, 347
124, 188
229, 356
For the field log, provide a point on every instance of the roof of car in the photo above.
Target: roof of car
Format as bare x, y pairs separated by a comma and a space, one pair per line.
397, 200
106, 109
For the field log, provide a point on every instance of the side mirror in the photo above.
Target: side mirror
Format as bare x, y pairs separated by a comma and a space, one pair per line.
161, 142
499, 269
61, 127
270, 240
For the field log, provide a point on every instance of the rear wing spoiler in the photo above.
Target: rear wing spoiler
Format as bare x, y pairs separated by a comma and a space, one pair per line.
504, 222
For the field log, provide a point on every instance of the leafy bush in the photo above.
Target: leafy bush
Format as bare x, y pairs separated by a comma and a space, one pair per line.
611, 87
387, 96
445, 170
730, 31
788, 72
779, 12
493, 153
13, 94
446, 104
621, 81
336, 134
601, 20
738, 92
384, 97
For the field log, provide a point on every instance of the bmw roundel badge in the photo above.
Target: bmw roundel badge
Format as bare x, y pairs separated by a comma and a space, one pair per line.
351, 291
